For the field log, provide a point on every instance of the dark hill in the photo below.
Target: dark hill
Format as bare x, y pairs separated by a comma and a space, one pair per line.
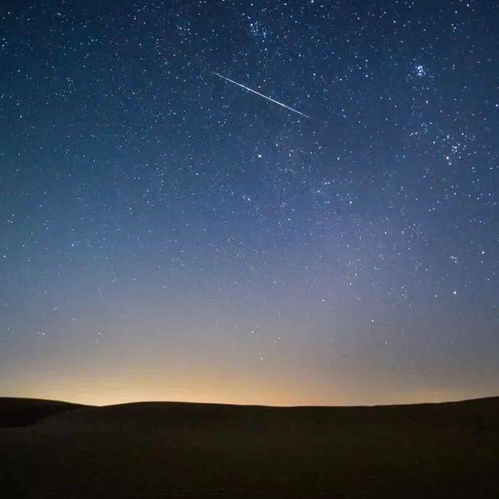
25, 412
161, 449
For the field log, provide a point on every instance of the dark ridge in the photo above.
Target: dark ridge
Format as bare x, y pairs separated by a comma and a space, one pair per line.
191, 450
26, 412
480, 414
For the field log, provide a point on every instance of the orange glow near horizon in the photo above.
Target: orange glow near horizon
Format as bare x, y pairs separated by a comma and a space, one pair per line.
112, 392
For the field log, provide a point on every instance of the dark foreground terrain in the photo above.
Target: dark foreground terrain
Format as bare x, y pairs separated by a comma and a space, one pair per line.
154, 450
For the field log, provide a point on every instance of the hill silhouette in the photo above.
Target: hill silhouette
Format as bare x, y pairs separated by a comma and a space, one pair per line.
172, 449
25, 412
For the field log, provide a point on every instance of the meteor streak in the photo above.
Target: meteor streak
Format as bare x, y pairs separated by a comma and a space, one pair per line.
261, 95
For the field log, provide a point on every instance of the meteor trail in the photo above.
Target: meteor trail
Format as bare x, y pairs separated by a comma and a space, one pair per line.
261, 95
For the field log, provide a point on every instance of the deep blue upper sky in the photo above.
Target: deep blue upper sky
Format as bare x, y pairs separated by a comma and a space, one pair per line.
167, 234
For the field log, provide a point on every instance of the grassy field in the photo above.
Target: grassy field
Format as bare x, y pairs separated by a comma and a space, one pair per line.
154, 450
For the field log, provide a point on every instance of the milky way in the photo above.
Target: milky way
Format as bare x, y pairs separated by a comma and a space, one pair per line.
167, 236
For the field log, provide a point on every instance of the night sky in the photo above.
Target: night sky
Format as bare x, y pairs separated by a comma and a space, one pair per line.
166, 234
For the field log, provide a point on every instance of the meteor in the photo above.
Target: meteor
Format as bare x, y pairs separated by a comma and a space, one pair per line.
261, 95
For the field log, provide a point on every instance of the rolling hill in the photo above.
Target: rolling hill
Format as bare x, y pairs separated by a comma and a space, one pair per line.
167, 449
